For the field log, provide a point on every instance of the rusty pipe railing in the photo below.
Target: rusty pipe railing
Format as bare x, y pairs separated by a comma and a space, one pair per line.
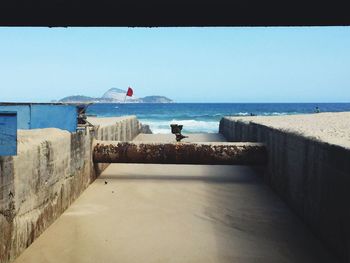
180, 153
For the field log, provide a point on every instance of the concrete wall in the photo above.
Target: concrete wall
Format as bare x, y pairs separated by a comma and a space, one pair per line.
311, 176
115, 129
51, 170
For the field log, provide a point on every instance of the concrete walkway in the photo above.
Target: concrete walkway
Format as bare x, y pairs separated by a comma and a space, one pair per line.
177, 213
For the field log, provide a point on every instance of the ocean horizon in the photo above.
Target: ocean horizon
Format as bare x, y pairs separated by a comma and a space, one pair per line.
204, 117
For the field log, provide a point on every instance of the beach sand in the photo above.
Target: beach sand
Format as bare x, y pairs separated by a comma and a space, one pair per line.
177, 213
330, 127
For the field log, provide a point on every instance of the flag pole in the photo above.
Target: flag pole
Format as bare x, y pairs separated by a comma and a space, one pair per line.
128, 93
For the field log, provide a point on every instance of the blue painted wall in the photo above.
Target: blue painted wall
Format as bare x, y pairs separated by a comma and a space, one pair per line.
8, 133
58, 116
35, 116
23, 115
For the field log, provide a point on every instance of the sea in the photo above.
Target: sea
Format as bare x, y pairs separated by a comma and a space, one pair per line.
204, 117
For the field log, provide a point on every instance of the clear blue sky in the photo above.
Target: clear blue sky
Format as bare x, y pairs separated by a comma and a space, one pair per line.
283, 64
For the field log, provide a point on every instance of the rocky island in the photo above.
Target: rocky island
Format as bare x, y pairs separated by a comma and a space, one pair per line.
115, 95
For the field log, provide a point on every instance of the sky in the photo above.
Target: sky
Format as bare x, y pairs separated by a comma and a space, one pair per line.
194, 64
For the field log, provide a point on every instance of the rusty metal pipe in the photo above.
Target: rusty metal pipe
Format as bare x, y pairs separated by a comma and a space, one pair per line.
180, 153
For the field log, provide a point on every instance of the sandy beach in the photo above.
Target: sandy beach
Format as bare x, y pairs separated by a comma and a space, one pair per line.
330, 127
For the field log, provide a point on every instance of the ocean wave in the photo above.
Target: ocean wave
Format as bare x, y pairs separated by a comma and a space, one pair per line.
182, 116
159, 130
189, 126
277, 113
265, 113
242, 114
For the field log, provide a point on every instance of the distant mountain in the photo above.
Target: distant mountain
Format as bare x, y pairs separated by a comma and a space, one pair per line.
155, 99
115, 95
118, 95
111, 91
77, 98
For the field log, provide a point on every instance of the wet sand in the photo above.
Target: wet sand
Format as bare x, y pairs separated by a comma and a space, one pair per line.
177, 213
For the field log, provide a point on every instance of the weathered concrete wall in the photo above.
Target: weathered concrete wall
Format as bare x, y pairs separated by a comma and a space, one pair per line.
312, 176
50, 171
115, 129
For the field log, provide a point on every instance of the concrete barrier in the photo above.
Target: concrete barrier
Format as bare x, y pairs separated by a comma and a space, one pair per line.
51, 170
312, 176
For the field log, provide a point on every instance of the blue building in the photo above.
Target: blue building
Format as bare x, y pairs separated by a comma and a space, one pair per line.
26, 116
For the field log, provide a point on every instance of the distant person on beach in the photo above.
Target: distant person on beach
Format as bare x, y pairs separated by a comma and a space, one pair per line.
317, 110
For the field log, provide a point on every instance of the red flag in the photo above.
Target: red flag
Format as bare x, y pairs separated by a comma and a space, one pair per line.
129, 92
